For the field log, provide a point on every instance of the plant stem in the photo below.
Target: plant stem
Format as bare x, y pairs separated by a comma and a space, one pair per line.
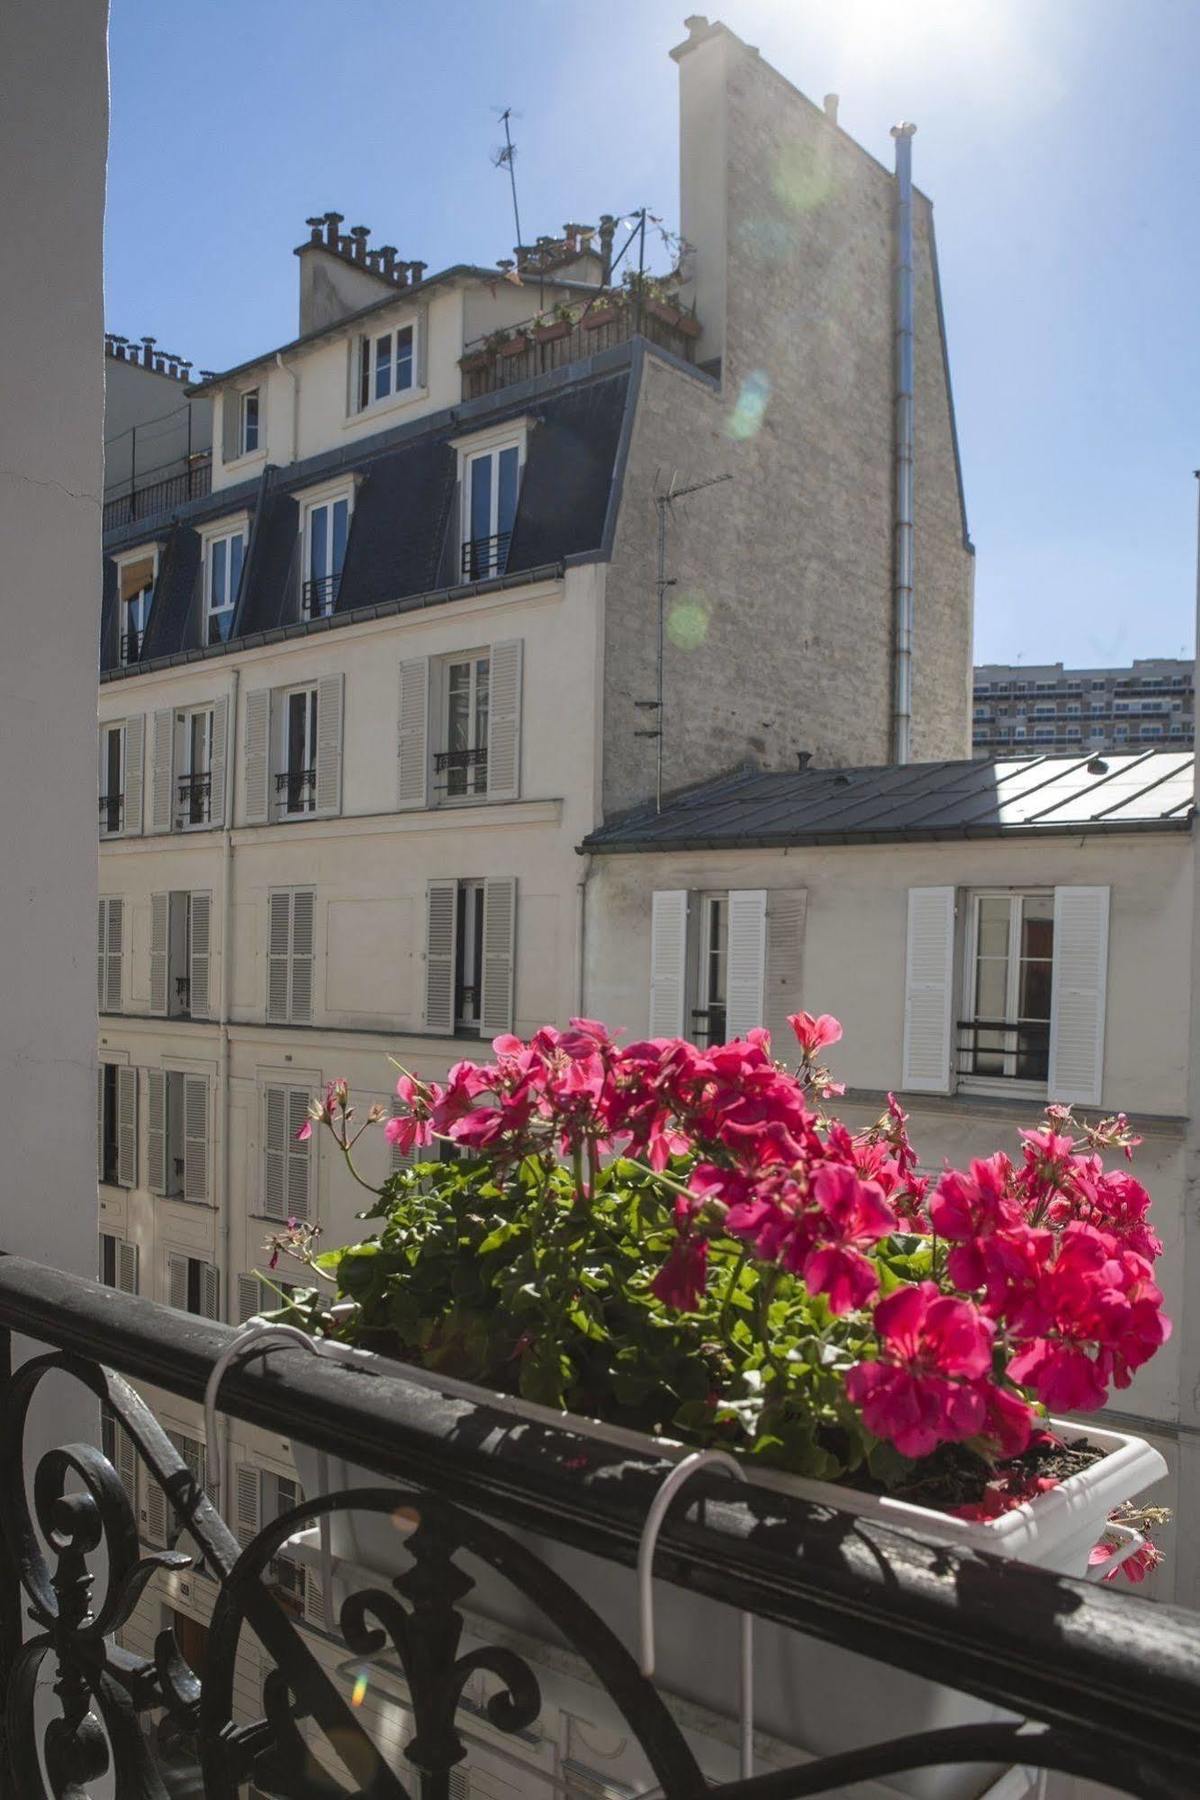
727, 1300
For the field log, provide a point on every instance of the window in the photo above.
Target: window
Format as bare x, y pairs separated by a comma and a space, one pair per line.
326, 529
708, 1015
135, 577
1150, 731
1019, 731
118, 1260
248, 422
1044, 734
177, 1134
194, 762
1074, 731
112, 779
469, 950
983, 712
464, 760
180, 954
262, 1294
222, 580
1120, 706
110, 941
118, 1447
1046, 687
467, 706
1099, 685
287, 1161
1008, 980
192, 1286
290, 915
1073, 708
296, 781
163, 1522
385, 365
293, 751
261, 1497
116, 1125
983, 687
491, 480
1043, 712
722, 963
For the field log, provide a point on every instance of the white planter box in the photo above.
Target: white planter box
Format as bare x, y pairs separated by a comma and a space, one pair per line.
813, 1695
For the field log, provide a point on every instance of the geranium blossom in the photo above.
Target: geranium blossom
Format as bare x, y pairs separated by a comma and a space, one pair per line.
925, 1388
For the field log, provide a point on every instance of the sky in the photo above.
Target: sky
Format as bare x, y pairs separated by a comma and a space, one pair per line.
1056, 138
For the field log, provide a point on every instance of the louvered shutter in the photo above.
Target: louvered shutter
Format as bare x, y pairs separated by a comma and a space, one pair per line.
929, 991
231, 425
786, 910
402, 1159
155, 1511
421, 348
113, 983
156, 1131
195, 1137
127, 1267
275, 1113
250, 1299
210, 1292
504, 722
127, 1127
499, 946
745, 961
1078, 991
329, 743
162, 773
279, 948
101, 955
299, 1158
303, 911
247, 1503
668, 961
441, 909
314, 1600
200, 957
257, 756
177, 1282
160, 937
126, 1463
135, 757
413, 737
218, 761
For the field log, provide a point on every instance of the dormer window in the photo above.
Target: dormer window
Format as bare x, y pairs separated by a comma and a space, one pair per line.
386, 366
135, 576
490, 466
224, 554
326, 532
241, 424
248, 422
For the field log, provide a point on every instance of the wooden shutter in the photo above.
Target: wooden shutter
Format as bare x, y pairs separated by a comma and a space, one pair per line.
441, 912
114, 940
275, 1152
745, 961
257, 756
279, 950
135, 757
160, 938
218, 761
101, 955
200, 958
127, 1267
499, 946
929, 991
177, 1282
127, 1127
299, 1170
247, 1502
155, 1511
786, 910
329, 743
210, 1292
156, 1131
195, 1137
504, 721
249, 1298
304, 903
126, 1462
668, 961
1077, 997
162, 772
413, 737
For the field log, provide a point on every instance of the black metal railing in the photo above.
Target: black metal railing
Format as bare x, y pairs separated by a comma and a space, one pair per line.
318, 597
183, 994
485, 556
195, 798
1105, 1686
112, 812
192, 483
465, 771
708, 1025
1004, 1049
297, 789
132, 642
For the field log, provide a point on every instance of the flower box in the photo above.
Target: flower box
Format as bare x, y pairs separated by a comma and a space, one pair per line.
478, 359
514, 346
600, 315
679, 321
550, 334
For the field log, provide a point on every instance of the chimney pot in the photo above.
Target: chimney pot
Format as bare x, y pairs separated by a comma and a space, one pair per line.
332, 221
417, 270
360, 234
803, 758
315, 227
695, 25
388, 254
831, 108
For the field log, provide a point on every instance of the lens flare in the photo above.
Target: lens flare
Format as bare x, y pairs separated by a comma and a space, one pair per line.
802, 178
750, 407
359, 1693
687, 621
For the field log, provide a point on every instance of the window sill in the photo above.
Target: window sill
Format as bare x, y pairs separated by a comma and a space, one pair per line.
379, 409
246, 461
1002, 1087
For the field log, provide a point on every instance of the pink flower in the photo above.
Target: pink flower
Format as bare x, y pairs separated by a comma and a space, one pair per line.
925, 1388
680, 1282
1142, 1562
813, 1034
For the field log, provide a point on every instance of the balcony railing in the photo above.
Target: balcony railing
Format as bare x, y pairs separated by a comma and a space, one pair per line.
195, 799
183, 995
1105, 1686
535, 349
319, 596
1004, 1049
143, 502
485, 556
297, 789
112, 812
131, 645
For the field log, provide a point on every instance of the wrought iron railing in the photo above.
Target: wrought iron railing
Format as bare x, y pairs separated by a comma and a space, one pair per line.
132, 641
1004, 1049
195, 798
297, 789
192, 483
112, 811
1106, 1687
485, 556
183, 994
319, 596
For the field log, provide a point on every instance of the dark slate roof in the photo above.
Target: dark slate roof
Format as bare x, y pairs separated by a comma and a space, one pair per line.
1035, 795
403, 545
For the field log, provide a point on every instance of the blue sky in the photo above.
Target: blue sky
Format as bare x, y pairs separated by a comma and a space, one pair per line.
1056, 138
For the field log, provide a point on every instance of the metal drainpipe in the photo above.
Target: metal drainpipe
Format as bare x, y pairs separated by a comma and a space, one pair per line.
902, 573
226, 1162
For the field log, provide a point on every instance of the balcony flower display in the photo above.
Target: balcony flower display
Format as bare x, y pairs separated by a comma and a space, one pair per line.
684, 1241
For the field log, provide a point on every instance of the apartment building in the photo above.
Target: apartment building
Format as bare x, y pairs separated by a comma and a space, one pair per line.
1020, 707
157, 435
361, 702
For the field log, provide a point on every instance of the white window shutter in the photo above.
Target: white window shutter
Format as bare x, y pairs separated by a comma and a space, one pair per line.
330, 690
231, 425
115, 938
200, 955
127, 1127
257, 756
314, 1600
210, 1292
279, 954
250, 1299
247, 1503
275, 1150
160, 927
413, 737
929, 991
499, 954
162, 774
504, 721
135, 757
786, 912
127, 1463
441, 911
177, 1282
299, 1158
304, 905
156, 1131
218, 761
195, 1137
155, 1512
1078, 990
127, 1267
668, 961
745, 961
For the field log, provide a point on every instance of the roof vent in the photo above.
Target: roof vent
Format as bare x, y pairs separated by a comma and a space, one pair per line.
1097, 766
803, 758
841, 780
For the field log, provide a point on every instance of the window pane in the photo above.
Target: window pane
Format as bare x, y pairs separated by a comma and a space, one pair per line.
217, 587
297, 710
318, 542
383, 366
113, 776
404, 358
509, 461
341, 519
237, 547
481, 497
250, 421
993, 927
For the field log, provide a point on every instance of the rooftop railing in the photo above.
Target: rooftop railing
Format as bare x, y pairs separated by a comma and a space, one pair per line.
1104, 1686
538, 346
154, 497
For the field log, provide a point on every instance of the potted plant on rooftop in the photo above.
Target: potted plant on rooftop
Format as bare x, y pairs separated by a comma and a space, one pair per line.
555, 324
679, 1247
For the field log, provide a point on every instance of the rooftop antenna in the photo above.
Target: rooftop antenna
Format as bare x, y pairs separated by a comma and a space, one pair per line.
664, 502
506, 158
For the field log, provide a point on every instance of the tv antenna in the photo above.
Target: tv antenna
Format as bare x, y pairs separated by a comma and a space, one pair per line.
506, 158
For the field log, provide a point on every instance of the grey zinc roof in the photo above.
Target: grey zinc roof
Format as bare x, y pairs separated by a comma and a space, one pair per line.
1122, 791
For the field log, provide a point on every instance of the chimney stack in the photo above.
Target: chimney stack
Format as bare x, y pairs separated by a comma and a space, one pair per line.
831, 108
332, 221
360, 234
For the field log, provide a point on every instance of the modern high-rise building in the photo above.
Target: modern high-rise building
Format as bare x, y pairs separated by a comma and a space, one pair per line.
1038, 707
